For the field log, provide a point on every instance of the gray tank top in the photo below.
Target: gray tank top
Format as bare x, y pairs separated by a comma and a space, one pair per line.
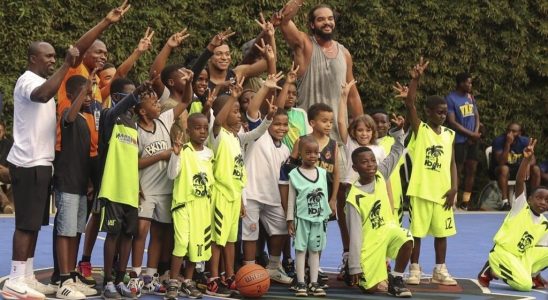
321, 83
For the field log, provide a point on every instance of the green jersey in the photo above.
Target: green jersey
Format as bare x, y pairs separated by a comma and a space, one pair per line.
228, 169
311, 202
431, 155
195, 107
395, 178
298, 123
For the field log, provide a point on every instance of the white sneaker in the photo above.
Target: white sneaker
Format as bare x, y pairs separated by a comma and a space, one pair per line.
84, 288
67, 290
414, 274
441, 276
38, 286
18, 289
279, 275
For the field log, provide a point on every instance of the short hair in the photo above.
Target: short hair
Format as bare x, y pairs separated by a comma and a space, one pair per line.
107, 66
219, 103
368, 121
74, 84
280, 111
311, 12
462, 77
168, 71
193, 117
433, 101
306, 139
118, 84
358, 151
316, 109
538, 188
375, 111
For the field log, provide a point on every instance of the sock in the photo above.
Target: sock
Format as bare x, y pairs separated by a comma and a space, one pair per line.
74, 275
300, 258
86, 258
396, 274
466, 197
212, 279
163, 266
137, 270
119, 277
29, 269
249, 262
439, 266
274, 262
63, 278
151, 271
314, 264
504, 201
17, 269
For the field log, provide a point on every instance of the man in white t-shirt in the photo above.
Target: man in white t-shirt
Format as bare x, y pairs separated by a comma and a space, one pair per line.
30, 162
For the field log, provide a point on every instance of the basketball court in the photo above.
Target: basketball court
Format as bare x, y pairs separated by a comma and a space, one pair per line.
467, 252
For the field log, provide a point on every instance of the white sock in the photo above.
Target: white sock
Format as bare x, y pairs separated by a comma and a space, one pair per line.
300, 257
249, 262
274, 262
151, 271
439, 266
138, 270
314, 264
504, 201
17, 269
29, 269
396, 274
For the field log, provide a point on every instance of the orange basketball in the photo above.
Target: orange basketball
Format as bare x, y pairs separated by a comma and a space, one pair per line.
252, 281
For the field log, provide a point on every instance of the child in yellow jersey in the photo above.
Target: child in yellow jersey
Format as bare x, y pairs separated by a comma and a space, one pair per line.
521, 244
431, 211
191, 168
230, 178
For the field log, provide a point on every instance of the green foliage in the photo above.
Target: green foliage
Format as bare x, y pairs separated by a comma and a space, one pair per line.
502, 43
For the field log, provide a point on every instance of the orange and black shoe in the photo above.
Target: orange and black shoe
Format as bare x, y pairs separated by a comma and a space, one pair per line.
485, 276
215, 287
538, 282
230, 282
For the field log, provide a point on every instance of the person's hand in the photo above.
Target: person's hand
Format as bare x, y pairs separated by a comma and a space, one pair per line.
266, 50
475, 136
530, 149
243, 212
398, 120
185, 75
292, 74
237, 88
345, 88
116, 14
272, 79
333, 206
401, 91
266, 26
146, 41
219, 38
419, 69
290, 228
356, 279
72, 56
210, 97
177, 38
166, 154
276, 18
509, 138
272, 109
449, 198
178, 143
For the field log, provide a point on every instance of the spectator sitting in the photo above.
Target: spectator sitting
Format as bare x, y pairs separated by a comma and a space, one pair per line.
508, 153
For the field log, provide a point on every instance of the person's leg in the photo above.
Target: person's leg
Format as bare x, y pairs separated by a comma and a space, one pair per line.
228, 252
440, 247
249, 251
470, 175
442, 226
502, 174
92, 231
157, 237
215, 258
109, 251
251, 238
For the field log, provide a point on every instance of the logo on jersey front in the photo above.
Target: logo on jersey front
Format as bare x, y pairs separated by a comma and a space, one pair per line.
238, 172
199, 184
313, 200
155, 147
375, 215
431, 161
525, 242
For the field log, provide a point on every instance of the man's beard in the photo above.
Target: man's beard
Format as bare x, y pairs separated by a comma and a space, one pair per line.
324, 36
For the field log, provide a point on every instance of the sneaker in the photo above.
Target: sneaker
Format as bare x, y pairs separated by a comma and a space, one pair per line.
110, 292
189, 290
505, 206
84, 280
172, 290
38, 286
135, 284
289, 267
152, 285
323, 279
54, 285
85, 269
217, 288
484, 276
125, 292
397, 288
538, 282
230, 282
293, 286
301, 290
315, 289
279, 275
201, 280
84, 288
67, 290
343, 267
18, 289
442, 276
414, 274
463, 206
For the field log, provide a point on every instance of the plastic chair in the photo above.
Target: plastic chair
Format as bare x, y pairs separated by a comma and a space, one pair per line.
511, 183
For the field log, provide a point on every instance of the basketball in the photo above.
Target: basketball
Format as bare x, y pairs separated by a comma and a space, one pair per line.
252, 281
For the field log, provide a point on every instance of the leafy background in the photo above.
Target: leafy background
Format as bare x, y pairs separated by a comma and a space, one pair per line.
502, 43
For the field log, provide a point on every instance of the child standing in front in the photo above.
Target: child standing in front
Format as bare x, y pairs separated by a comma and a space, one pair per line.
307, 213
431, 205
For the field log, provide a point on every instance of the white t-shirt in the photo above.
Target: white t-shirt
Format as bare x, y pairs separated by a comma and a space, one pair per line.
263, 161
352, 145
34, 125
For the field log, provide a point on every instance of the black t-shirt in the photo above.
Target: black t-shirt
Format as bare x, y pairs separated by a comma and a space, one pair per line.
72, 163
5, 146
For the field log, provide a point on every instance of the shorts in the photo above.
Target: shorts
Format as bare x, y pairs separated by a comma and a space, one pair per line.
225, 216
156, 207
465, 151
118, 218
517, 270
272, 219
31, 196
430, 218
309, 235
192, 225
374, 253
512, 171
71, 213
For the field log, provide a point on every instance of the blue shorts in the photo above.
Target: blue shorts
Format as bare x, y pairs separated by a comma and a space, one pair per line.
71, 213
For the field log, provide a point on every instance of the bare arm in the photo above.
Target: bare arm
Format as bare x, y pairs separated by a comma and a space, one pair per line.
159, 63
150, 160
354, 100
452, 192
416, 73
458, 127
502, 156
342, 115
76, 105
292, 35
528, 155
268, 86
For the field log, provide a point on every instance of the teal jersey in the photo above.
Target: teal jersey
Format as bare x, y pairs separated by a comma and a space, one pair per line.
311, 196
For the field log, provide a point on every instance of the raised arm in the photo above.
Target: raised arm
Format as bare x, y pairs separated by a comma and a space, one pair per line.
528, 155
289, 80
342, 124
185, 76
268, 86
76, 105
221, 117
354, 100
415, 73
267, 34
292, 35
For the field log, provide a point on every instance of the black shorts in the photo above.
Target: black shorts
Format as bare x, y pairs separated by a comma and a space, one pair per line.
119, 218
31, 196
466, 151
512, 172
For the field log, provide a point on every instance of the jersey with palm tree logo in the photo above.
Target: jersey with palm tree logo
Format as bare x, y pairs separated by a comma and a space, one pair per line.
311, 196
